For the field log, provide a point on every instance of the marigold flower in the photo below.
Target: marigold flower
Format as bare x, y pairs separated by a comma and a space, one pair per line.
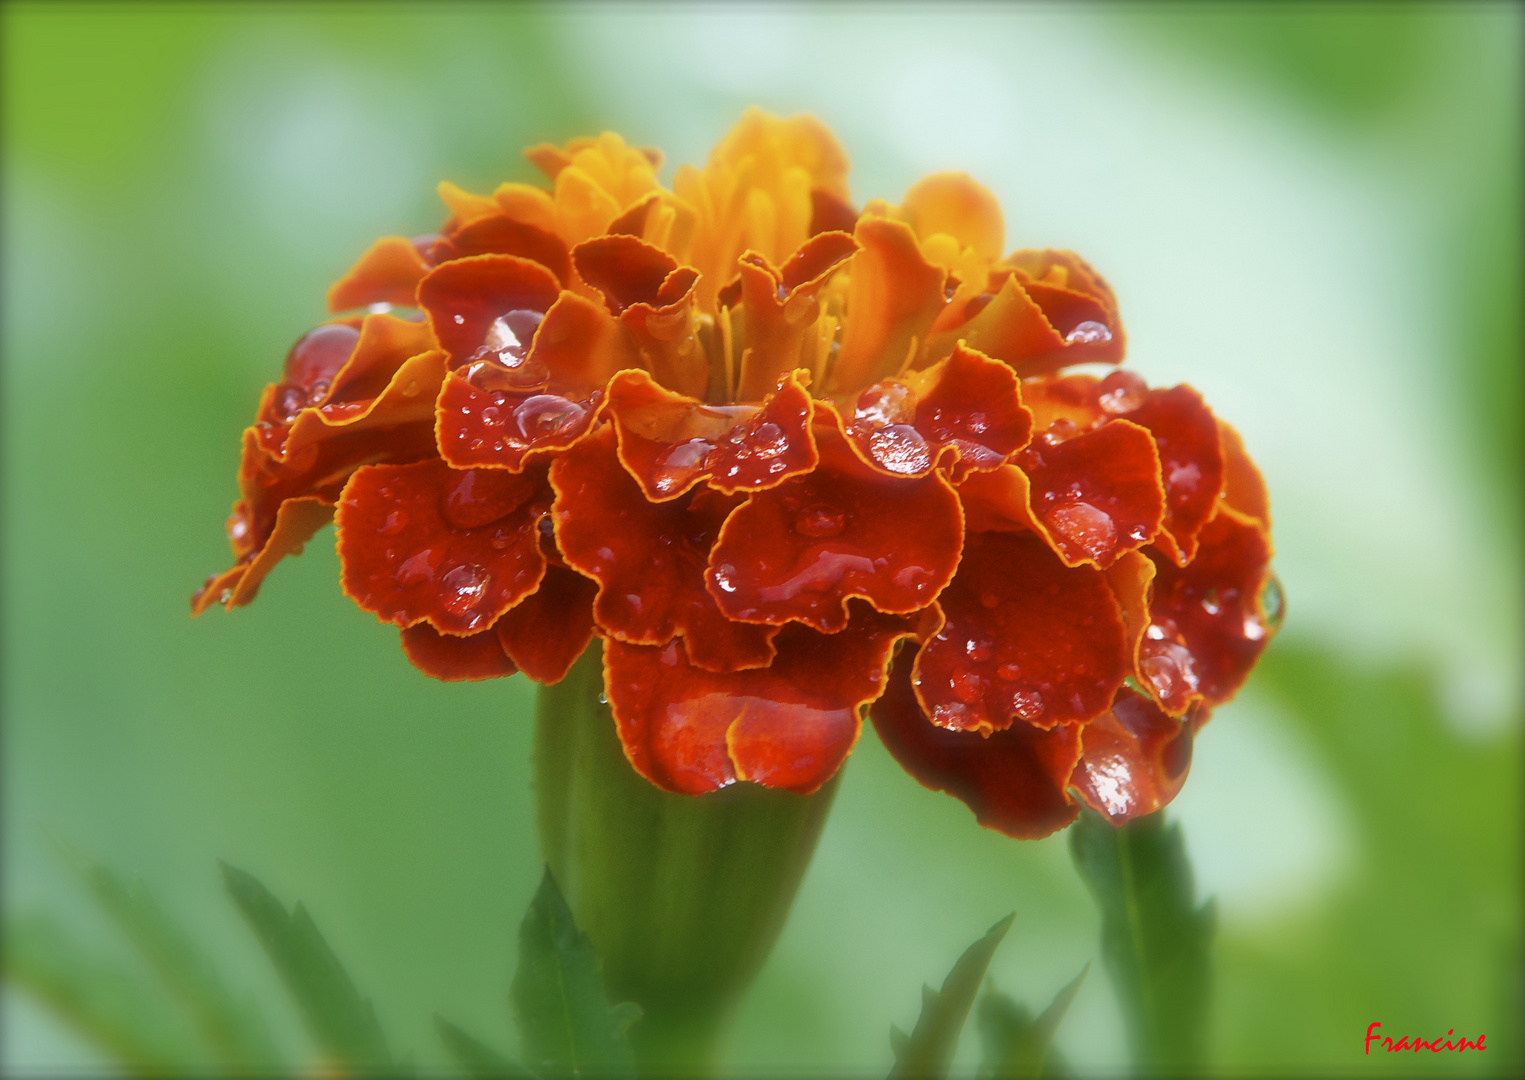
789, 460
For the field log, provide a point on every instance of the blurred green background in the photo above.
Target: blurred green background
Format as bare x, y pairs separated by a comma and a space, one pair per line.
1310, 213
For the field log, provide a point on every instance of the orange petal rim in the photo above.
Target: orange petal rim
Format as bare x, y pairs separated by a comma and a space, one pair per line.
754, 437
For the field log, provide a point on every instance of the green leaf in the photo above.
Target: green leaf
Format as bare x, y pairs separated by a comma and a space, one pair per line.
234, 1032
476, 1059
928, 1051
1017, 1047
1156, 943
340, 1021
565, 1023
114, 1009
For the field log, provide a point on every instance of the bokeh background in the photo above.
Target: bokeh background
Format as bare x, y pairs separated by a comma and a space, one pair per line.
1310, 213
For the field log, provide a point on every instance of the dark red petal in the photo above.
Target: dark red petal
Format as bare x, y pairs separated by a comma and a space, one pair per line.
625, 269
789, 725
669, 442
1076, 301
1208, 623
388, 273
781, 309
1026, 638
384, 344
648, 558
502, 235
801, 550
1014, 780
1133, 760
455, 659
318, 354
296, 521
1097, 494
892, 301
464, 297
967, 401
828, 213
1191, 463
504, 429
548, 630
427, 542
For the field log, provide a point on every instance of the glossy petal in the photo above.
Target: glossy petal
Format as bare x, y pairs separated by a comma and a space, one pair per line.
1191, 463
464, 299
789, 725
648, 558
1026, 638
1208, 624
450, 658
893, 298
501, 234
801, 550
669, 442
457, 548
388, 273
1133, 760
1076, 301
548, 630
1013, 780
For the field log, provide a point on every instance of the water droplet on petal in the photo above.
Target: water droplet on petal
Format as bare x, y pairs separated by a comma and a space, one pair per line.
511, 332
1169, 669
395, 523
884, 404
1121, 392
900, 448
417, 568
680, 465
546, 416
1272, 602
1210, 602
289, 401
968, 687
319, 354
819, 521
463, 589
768, 441
725, 577
1087, 333
1085, 526
1008, 672
1028, 704
1060, 430
978, 650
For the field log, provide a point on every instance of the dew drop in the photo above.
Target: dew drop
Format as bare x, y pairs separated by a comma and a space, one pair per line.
319, 354
1087, 527
885, 404
395, 523
725, 577
238, 525
680, 464
503, 538
1087, 333
1169, 669
417, 568
1121, 392
289, 401
463, 589
546, 416
819, 521
768, 441
968, 687
1008, 672
1060, 430
1272, 602
900, 449
1210, 602
511, 332
978, 649
1028, 704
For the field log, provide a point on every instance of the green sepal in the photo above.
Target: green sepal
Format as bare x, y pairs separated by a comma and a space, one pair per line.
341, 1022
1155, 941
927, 1053
114, 1009
566, 1025
476, 1059
1015, 1045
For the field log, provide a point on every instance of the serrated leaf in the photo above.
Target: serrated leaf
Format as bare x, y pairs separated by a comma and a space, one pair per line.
566, 1025
1017, 1046
928, 1052
1155, 942
234, 1033
476, 1059
341, 1022
115, 1010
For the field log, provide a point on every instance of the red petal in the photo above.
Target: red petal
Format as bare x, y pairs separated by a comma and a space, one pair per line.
502, 235
1096, 495
648, 558
1134, 759
892, 301
548, 630
801, 550
384, 344
967, 401
1208, 623
388, 273
781, 309
625, 269
1191, 463
1026, 638
296, 521
789, 725
1014, 780
427, 542
1071, 294
465, 296
504, 429
669, 442
455, 659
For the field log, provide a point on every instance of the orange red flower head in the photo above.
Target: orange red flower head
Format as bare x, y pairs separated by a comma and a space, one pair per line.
793, 462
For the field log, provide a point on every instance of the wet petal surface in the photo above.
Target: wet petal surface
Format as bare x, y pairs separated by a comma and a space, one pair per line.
455, 659
548, 630
1191, 463
1133, 760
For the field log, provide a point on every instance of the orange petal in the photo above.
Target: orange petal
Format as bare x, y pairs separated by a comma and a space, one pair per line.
648, 558
455, 659
1133, 760
457, 548
467, 297
669, 442
1014, 780
780, 309
1244, 488
789, 725
501, 234
1191, 463
296, 521
894, 296
388, 273
801, 550
548, 630
1208, 622
1026, 638
954, 204
1077, 301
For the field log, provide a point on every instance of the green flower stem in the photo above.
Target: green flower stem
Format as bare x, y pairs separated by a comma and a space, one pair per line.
682, 896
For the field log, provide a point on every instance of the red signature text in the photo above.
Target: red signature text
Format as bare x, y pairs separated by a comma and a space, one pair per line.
1437, 1044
